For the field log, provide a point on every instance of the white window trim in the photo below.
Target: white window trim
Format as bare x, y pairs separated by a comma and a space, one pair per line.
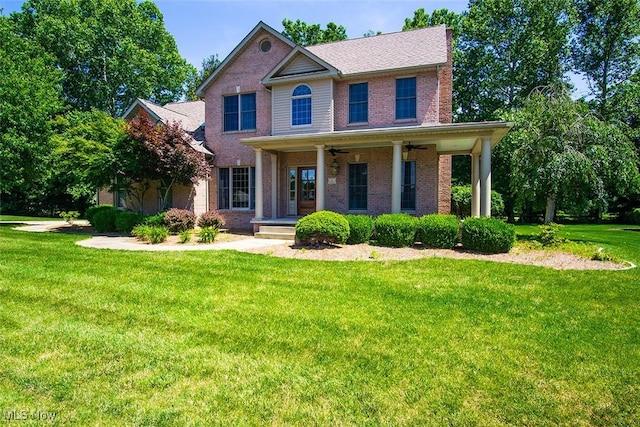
239, 96
230, 194
310, 96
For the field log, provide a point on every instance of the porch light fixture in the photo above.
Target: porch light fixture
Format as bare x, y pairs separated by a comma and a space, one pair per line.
334, 167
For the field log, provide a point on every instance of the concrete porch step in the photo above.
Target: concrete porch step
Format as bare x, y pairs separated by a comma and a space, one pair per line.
276, 232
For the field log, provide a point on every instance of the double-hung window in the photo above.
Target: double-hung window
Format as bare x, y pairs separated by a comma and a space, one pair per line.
359, 103
408, 192
240, 112
358, 187
406, 98
301, 106
236, 188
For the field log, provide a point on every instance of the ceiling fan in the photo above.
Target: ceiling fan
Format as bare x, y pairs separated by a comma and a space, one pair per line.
410, 147
335, 151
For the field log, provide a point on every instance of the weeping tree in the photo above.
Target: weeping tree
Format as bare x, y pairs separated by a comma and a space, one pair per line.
565, 157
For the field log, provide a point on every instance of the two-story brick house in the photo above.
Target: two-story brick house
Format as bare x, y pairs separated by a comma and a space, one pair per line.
357, 126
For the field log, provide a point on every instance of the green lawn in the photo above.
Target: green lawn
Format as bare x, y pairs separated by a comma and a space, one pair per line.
18, 218
205, 338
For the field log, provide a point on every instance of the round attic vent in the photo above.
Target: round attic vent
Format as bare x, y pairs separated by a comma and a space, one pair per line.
265, 45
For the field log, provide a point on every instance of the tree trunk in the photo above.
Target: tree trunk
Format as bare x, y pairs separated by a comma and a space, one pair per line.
550, 213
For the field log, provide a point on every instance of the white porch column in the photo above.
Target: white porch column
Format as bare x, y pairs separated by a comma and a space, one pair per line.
259, 186
485, 172
320, 178
475, 185
274, 185
396, 177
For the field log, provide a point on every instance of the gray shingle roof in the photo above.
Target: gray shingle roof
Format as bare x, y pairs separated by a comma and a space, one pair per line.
190, 114
406, 49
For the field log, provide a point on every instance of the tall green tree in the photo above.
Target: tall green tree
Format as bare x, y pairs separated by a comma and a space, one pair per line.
422, 19
208, 66
84, 153
110, 51
29, 98
625, 107
565, 157
510, 47
309, 34
606, 49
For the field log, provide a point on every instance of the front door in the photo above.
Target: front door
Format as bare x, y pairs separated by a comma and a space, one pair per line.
306, 190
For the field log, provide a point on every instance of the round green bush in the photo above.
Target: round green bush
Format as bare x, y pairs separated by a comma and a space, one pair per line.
396, 230
360, 228
322, 227
178, 220
211, 219
488, 235
93, 210
104, 221
125, 221
438, 231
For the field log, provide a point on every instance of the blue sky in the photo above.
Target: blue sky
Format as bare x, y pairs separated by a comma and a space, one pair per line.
205, 27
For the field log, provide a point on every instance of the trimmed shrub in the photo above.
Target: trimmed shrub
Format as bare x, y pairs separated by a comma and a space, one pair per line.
104, 221
125, 221
207, 234
488, 235
438, 231
156, 220
211, 219
360, 228
461, 201
635, 216
93, 210
396, 230
322, 227
178, 220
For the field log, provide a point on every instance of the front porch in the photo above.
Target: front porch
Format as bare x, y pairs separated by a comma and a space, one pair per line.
384, 152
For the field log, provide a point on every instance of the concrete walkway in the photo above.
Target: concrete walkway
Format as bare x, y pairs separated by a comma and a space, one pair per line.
132, 244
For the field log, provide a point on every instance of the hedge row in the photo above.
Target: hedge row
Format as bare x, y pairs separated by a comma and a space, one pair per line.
486, 235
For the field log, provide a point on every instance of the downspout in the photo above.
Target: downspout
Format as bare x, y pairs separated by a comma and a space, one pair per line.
438, 94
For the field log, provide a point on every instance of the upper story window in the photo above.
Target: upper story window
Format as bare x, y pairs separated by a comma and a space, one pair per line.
240, 112
301, 106
406, 98
359, 103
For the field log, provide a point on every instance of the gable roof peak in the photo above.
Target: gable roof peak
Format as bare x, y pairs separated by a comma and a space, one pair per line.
259, 26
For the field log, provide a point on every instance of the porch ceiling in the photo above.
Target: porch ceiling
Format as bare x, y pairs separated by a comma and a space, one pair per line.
455, 138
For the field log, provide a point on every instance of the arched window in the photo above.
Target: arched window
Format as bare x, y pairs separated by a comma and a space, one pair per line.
301, 106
